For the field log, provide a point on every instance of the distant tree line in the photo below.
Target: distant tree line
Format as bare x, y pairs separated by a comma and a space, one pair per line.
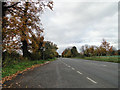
86, 50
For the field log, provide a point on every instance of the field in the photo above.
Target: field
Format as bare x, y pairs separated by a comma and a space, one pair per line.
115, 59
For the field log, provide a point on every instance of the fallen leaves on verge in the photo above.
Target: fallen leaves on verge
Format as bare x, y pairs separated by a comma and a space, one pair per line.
7, 78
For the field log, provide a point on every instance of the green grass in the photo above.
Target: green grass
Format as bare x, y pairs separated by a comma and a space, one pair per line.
12, 69
103, 58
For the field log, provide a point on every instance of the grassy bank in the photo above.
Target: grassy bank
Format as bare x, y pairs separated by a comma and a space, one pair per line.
115, 59
12, 69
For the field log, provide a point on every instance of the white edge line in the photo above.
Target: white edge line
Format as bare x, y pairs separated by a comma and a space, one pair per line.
91, 80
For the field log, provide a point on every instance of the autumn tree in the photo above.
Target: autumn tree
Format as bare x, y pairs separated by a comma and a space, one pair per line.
97, 51
49, 50
110, 50
102, 50
70, 52
87, 50
82, 49
105, 47
74, 52
91, 50
23, 22
66, 52
37, 53
7, 8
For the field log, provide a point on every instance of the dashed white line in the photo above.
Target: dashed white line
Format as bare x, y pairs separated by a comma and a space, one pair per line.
68, 66
73, 68
104, 65
79, 72
65, 64
91, 80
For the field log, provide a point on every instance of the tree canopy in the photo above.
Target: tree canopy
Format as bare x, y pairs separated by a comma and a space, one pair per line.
22, 27
70, 52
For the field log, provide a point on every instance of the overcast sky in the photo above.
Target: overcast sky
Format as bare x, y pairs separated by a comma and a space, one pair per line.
76, 23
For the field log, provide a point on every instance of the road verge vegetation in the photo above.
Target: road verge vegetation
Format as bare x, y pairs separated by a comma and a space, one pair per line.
102, 58
13, 70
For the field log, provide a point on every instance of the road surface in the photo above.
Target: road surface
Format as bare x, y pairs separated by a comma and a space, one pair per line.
69, 73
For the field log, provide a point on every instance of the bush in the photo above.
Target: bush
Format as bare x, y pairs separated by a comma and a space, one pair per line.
36, 56
80, 56
10, 58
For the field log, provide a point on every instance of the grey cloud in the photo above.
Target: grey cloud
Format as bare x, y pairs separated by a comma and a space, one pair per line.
79, 23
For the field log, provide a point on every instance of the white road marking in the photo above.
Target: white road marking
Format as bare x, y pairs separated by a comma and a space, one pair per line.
73, 68
68, 66
79, 72
91, 80
65, 64
104, 65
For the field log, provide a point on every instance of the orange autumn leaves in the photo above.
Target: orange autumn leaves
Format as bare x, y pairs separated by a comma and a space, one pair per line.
21, 22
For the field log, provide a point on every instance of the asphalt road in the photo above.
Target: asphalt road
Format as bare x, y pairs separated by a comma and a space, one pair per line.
69, 73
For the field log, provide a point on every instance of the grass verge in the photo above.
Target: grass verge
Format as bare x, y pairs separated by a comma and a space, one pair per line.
102, 58
14, 68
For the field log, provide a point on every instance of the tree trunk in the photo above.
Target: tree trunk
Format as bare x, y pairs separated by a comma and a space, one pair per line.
24, 42
25, 49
